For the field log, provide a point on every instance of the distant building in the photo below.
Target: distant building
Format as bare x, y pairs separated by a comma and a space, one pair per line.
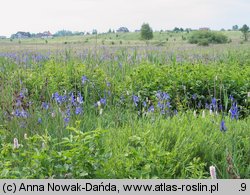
21, 35
204, 28
137, 30
3, 37
44, 35
122, 29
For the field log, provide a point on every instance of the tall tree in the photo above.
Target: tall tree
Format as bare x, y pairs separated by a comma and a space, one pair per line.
235, 27
146, 32
245, 30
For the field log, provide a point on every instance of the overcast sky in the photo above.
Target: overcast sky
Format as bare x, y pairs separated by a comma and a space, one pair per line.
85, 15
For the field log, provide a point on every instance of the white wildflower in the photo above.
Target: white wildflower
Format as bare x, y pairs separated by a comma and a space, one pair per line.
195, 115
99, 104
25, 136
16, 145
211, 112
43, 145
53, 115
100, 112
78, 99
203, 114
212, 172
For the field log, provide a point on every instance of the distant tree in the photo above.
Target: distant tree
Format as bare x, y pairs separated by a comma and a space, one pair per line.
235, 27
122, 29
146, 32
94, 32
63, 33
176, 29
78, 33
188, 30
12, 36
245, 30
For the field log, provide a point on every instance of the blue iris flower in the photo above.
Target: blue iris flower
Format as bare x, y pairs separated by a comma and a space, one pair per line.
194, 96
135, 100
223, 127
68, 112
84, 79
151, 109
39, 120
214, 102
231, 98
45, 105
103, 101
234, 111
78, 110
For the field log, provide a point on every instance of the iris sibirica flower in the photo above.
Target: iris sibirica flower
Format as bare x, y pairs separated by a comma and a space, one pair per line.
78, 110
68, 112
72, 99
231, 98
163, 103
103, 101
108, 84
45, 105
135, 100
18, 103
151, 109
66, 120
214, 102
84, 79
223, 127
59, 99
234, 111
194, 96
39, 121
162, 96
21, 113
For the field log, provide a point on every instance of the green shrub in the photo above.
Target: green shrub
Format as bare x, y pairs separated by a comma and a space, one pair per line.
203, 42
207, 37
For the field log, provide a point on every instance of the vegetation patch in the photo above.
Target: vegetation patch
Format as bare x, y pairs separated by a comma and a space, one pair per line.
204, 38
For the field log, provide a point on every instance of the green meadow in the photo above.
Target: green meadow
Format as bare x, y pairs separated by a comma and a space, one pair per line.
114, 106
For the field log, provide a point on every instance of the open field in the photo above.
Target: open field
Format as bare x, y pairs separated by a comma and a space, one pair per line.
114, 106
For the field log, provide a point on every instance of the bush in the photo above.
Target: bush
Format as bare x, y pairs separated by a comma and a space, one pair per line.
206, 37
203, 42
